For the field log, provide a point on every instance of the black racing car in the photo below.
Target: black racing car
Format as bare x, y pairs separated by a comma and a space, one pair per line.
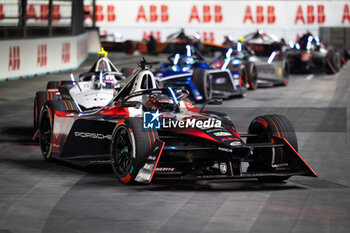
147, 131
310, 55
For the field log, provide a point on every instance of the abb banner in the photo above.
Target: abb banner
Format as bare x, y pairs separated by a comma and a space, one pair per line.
214, 19
30, 57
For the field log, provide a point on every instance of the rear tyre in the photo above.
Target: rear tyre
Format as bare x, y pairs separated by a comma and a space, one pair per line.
46, 132
131, 144
285, 73
201, 79
57, 84
39, 101
46, 122
253, 78
332, 62
265, 127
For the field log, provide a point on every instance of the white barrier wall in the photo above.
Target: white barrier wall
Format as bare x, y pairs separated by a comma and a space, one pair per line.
29, 57
214, 19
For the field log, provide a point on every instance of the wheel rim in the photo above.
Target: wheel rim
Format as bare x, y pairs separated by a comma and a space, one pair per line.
45, 134
122, 152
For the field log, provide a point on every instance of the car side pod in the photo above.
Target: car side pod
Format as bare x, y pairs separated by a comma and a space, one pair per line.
146, 171
295, 159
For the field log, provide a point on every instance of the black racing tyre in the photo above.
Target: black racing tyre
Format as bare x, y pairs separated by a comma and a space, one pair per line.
243, 76
252, 77
127, 71
57, 84
64, 105
201, 79
285, 73
332, 62
336, 62
39, 101
46, 122
46, 131
265, 127
131, 144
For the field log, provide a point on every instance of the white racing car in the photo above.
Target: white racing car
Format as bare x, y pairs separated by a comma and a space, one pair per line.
94, 89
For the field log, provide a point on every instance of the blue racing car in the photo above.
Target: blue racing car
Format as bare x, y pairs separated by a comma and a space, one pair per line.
188, 69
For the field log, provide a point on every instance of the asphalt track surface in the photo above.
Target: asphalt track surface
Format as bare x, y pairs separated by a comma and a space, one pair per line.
40, 196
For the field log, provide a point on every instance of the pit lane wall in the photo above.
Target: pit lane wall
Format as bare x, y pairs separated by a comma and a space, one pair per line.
214, 19
30, 57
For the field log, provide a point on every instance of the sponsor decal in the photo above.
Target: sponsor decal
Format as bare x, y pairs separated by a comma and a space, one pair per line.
41, 55
222, 134
14, 58
214, 130
228, 139
165, 169
235, 143
280, 165
65, 56
152, 120
225, 149
93, 135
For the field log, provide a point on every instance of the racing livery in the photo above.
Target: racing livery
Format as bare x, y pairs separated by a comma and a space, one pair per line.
188, 69
93, 89
309, 54
258, 71
147, 131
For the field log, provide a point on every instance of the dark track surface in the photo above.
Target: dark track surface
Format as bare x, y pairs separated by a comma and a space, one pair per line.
39, 196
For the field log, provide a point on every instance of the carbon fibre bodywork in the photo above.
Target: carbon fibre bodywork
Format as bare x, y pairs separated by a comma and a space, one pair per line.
180, 73
210, 149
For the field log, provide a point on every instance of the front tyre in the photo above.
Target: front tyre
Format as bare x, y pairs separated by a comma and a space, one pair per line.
201, 79
131, 144
264, 158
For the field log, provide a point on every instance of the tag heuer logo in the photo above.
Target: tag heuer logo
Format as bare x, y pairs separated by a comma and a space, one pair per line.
236, 143
222, 134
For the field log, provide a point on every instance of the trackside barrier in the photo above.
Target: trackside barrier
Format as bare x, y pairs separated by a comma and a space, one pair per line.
214, 19
30, 57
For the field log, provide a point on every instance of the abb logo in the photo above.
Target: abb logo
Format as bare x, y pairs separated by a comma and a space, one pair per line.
65, 52
82, 48
155, 34
100, 15
14, 58
2, 15
155, 14
311, 16
207, 36
346, 14
42, 55
208, 14
44, 13
260, 18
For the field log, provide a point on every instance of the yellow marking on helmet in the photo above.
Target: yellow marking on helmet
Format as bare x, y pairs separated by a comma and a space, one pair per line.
241, 39
102, 53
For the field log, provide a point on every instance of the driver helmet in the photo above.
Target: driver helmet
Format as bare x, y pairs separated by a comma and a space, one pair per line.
188, 60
